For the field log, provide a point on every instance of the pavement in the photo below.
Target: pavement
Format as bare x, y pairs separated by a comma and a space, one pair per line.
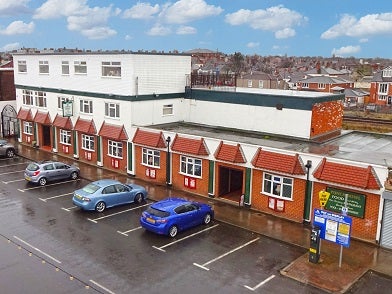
331, 274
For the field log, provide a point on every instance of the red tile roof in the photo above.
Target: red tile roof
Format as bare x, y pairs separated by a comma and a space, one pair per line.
190, 146
151, 139
289, 164
113, 132
62, 122
360, 177
85, 126
231, 153
25, 114
42, 118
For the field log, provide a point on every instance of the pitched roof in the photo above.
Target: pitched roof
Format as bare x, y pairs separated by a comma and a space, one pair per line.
284, 163
25, 114
62, 122
42, 118
151, 139
113, 132
85, 126
189, 146
231, 153
360, 177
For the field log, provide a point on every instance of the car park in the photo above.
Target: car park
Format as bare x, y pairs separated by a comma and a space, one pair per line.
42, 172
7, 149
106, 193
172, 215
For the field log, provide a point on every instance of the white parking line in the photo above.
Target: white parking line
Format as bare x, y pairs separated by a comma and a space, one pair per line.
260, 284
179, 240
102, 287
39, 187
109, 215
54, 197
203, 266
131, 230
47, 255
12, 181
69, 208
13, 172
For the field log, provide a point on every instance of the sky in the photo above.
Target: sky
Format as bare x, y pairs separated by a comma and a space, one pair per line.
346, 28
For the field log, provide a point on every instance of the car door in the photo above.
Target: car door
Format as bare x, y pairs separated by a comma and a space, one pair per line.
49, 171
61, 170
185, 216
110, 196
123, 194
193, 213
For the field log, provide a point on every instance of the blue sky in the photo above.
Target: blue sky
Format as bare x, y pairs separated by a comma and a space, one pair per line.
345, 28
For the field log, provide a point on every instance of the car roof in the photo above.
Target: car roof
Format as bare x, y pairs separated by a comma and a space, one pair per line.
169, 204
106, 182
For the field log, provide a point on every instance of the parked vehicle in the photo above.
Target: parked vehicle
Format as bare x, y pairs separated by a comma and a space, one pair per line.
42, 172
172, 215
105, 193
7, 149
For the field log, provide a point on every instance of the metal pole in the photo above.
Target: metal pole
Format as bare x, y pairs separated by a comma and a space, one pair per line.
168, 162
341, 246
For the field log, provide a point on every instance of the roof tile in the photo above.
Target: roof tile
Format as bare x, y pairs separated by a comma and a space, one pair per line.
151, 139
189, 146
231, 153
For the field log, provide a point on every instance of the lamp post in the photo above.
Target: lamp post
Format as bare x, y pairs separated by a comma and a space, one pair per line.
168, 162
308, 193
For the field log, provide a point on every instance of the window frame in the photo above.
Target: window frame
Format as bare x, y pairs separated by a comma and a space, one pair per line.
88, 142
383, 88
40, 99
80, 67
65, 137
191, 166
22, 66
65, 67
151, 157
111, 69
86, 104
28, 96
112, 108
167, 110
115, 149
271, 181
28, 127
43, 66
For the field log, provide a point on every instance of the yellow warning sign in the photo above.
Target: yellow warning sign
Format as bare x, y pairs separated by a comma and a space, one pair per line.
323, 196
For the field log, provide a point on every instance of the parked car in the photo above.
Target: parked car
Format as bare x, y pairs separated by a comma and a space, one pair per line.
105, 193
42, 172
172, 215
7, 149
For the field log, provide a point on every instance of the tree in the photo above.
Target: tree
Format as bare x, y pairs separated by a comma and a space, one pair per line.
237, 63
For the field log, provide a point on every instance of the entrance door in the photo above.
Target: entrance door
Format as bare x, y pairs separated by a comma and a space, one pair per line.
386, 232
46, 136
230, 182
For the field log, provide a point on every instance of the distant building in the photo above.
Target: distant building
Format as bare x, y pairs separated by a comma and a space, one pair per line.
381, 87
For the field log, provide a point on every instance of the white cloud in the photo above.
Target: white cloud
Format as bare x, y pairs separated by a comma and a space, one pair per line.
346, 51
60, 8
128, 37
8, 7
186, 30
17, 28
368, 25
98, 33
277, 19
159, 30
10, 47
363, 40
141, 11
253, 44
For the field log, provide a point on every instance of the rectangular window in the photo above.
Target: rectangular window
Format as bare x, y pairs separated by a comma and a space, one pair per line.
86, 106
151, 157
43, 67
111, 69
321, 86
190, 166
167, 109
383, 88
387, 73
60, 101
261, 84
278, 186
250, 84
28, 128
65, 137
65, 67
112, 110
382, 97
115, 149
40, 99
22, 66
80, 67
28, 97
88, 142
305, 85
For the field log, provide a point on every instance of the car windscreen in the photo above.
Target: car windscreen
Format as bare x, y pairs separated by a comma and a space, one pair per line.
32, 167
157, 212
90, 188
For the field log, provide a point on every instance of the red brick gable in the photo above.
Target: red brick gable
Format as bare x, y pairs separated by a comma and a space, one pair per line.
113, 132
284, 163
151, 139
230, 153
42, 118
361, 177
85, 126
190, 146
62, 122
25, 114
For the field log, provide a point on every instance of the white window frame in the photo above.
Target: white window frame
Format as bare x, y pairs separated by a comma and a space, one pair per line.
112, 110
111, 69
86, 106
80, 67
321, 85
387, 73
88, 142
151, 157
22, 66
28, 127
65, 137
305, 85
115, 149
250, 83
167, 109
271, 182
40, 99
191, 166
383, 88
261, 84
65, 68
382, 97
28, 97
43, 67
60, 100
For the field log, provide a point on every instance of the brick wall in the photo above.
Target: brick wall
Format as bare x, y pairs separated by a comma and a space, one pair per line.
327, 117
143, 172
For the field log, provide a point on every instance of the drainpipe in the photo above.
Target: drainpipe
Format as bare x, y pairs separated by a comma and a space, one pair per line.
168, 162
308, 194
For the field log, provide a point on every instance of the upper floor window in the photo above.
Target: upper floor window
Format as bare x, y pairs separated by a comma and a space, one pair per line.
115, 149
65, 67
321, 86
387, 73
60, 101
261, 84
65, 137
111, 69
86, 106
305, 85
22, 66
250, 84
383, 88
28, 97
43, 67
112, 110
28, 127
80, 67
167, 109
88, 142
40, 99
151, 157
191, 166
278, 186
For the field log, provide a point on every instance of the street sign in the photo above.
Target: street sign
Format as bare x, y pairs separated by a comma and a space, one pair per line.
323, 197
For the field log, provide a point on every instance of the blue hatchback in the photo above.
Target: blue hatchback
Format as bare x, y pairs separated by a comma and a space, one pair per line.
171, 215
105, 193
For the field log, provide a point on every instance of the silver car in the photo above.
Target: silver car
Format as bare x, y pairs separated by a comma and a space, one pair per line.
44, 171
7, 149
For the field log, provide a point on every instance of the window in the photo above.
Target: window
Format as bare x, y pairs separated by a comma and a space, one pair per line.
40, 99
112, 110
382, 97
305, 85
43, 67
65, 67
278, 186
111, 69
261, 84
60, 101
321, 86
167, 109
88, 142
86, 106
80, 67
190, 166
28, 128
22, 66
28, 97
383, 88
250, 84
151, 157
65, 137
387, 73
115, 149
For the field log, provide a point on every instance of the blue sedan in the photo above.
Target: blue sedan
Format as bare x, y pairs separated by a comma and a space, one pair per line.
105, 193
171, 215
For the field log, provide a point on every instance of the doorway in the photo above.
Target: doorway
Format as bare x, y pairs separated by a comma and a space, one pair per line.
230, 183
46, 136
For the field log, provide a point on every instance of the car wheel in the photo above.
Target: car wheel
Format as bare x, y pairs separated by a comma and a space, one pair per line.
207, 219
138, 198
173, 231
10, 153
42, 181
74, 175
100, 207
